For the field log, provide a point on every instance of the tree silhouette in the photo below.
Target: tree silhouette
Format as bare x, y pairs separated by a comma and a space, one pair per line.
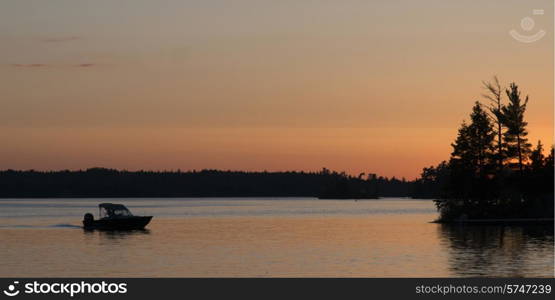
513, 118
537, 157
471, 186
473, 148
494, 95
549, 163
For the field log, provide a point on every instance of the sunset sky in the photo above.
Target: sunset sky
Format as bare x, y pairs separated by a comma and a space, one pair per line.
361, 86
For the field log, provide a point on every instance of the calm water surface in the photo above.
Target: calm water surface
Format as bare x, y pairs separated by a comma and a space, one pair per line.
264, 237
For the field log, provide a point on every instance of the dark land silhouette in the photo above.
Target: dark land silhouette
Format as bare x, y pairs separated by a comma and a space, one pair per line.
493, 172
101, 182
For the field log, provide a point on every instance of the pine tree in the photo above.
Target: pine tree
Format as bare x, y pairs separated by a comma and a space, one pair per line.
537, 157
494, 95
549, 162
516, 143
462, 153
473, 149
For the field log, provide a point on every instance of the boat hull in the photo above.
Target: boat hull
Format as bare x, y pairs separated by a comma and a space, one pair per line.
130, 223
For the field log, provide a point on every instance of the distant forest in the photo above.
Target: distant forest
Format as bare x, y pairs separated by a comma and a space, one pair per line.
101, 182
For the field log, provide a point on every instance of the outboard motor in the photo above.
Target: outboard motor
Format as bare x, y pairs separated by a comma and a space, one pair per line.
88, 220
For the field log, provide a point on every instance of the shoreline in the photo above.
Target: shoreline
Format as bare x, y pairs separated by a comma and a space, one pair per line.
507, 221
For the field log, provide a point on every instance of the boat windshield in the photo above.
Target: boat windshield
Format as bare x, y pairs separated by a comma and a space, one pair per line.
114, 211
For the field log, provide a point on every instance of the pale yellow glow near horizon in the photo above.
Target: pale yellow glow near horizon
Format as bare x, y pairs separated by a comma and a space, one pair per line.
356, 86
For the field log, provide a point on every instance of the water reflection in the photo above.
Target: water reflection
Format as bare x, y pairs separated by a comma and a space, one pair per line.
498, 251
116, 234
281, 238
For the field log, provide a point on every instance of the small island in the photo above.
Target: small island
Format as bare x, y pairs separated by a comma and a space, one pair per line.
493, 175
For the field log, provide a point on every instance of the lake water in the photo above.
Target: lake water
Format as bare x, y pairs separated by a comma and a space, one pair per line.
264, 237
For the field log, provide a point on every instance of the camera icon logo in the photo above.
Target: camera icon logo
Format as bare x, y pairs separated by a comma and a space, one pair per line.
527, 24
11, 292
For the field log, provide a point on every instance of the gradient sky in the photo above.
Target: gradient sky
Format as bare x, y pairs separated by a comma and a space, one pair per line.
361, 86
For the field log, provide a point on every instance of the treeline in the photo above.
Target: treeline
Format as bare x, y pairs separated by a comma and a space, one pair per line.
493, 171
101, 182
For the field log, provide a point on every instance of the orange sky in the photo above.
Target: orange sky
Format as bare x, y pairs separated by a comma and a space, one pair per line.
360, 86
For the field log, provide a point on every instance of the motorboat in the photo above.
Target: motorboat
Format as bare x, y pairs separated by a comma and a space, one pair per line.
115, 217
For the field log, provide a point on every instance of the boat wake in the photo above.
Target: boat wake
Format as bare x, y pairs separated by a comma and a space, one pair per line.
66, 226
70, 226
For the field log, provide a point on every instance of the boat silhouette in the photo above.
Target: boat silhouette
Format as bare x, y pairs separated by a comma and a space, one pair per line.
115, 217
